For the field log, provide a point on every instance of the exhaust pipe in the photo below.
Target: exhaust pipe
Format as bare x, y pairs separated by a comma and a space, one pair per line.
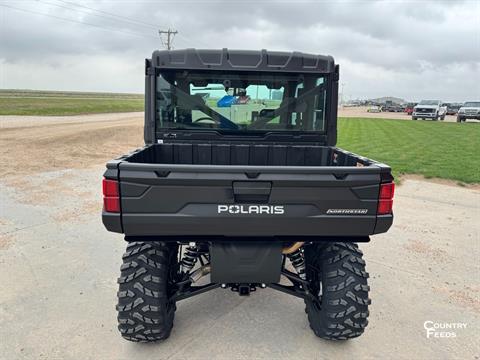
199, 273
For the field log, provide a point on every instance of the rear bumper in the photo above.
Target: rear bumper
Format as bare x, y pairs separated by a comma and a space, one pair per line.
168, 225
112, 222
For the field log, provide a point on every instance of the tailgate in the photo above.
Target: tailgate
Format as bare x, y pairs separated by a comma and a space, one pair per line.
215, 200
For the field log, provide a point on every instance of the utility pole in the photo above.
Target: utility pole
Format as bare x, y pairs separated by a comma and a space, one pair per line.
170, 35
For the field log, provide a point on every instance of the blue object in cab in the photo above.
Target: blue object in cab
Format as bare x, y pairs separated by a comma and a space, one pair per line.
227, 101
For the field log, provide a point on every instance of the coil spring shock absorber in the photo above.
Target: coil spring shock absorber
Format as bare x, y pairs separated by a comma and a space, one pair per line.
298, 262
189, 258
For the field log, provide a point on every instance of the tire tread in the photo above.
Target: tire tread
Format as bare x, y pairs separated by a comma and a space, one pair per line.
344, 304
142, 296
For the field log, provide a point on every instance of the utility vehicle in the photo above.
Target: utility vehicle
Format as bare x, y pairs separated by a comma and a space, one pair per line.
243, 197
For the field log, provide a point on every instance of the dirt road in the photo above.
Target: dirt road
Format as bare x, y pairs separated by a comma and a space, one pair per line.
59, 266
33, 144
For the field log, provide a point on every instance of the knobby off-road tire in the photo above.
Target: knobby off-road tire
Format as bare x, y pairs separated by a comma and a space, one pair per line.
342, 310
144, 312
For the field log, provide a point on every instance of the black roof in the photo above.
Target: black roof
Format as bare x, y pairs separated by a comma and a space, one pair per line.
242, 60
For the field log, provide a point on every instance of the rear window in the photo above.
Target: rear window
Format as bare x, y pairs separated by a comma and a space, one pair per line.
240, 102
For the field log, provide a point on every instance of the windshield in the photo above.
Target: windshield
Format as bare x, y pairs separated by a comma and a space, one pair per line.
240, 102
472, 104
429, 102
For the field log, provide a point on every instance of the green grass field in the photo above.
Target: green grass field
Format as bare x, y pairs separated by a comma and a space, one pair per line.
430, 148
29, 102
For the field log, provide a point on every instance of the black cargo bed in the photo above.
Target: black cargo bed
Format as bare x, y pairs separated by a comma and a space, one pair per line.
245, 154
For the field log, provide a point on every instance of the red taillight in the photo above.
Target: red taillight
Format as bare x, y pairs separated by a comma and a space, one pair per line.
384, 207
385, 201
111, 204
111, 197
110, 187
387, 190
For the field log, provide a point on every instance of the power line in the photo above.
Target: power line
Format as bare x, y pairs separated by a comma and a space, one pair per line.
85, 12
169, 40
167, 43
77, 22
125, 18
170, 33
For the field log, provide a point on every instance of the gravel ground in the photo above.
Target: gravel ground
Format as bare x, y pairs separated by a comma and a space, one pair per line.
17, 121
59, 269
